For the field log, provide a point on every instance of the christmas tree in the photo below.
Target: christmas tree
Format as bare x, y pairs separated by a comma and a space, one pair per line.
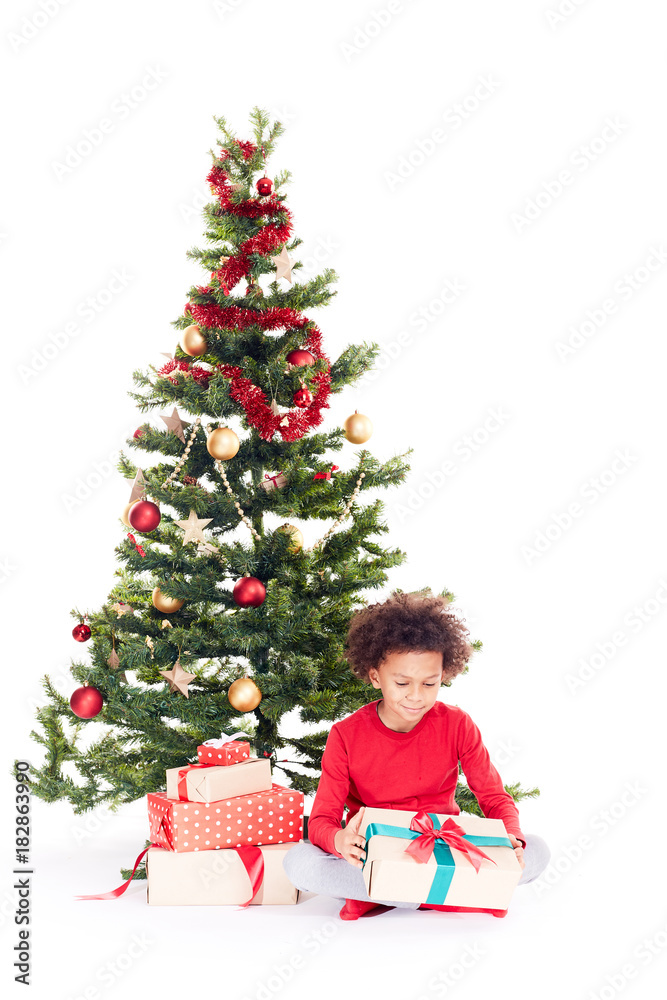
221, 620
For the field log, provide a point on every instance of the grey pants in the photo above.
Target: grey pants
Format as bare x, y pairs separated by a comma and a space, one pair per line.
311, 869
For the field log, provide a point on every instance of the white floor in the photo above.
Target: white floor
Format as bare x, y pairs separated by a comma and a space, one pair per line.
552, 944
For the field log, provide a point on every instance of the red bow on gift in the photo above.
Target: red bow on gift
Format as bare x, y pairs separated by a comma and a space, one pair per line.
274, 479
421, 848
326, 475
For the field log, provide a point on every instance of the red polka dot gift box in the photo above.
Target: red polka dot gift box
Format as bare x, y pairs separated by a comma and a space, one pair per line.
274, 816
224, 751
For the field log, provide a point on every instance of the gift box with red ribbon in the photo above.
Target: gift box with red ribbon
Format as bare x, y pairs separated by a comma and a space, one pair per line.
273, 482
246, 875
464, 862
209, 782
273, 816
224, 751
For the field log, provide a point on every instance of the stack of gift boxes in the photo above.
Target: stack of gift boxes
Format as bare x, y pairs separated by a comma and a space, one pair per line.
223, 829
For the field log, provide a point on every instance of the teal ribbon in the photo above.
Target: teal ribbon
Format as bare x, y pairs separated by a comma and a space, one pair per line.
446, 865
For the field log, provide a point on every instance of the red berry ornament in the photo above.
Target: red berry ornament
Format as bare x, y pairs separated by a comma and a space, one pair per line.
81, 632
138, 433
264, 186
302, 397
86, 702
144, 516
300, 358
249, 592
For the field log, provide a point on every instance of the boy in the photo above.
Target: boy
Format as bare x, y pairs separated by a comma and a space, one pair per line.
400, 752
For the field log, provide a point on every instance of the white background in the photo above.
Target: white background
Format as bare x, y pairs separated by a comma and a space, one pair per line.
361, 99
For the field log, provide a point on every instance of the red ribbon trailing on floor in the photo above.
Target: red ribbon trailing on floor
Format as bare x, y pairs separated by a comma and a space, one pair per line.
251, 857
115, 893
422, 847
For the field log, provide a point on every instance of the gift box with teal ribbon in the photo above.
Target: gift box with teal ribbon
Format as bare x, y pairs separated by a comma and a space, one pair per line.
465, 862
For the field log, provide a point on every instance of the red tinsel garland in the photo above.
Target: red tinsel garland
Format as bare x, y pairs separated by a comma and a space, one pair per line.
273, 235
247, 148
292, 425
238, 318
200, 375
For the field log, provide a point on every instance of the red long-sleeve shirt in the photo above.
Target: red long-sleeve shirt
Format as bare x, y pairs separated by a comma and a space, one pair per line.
367, 764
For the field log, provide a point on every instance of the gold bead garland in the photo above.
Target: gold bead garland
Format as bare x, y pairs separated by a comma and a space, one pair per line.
219, 466
341, 517
184, 457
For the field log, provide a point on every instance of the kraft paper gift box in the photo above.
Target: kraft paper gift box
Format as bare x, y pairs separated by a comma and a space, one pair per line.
207, 784
274, 816
224, 751
216, 879
448, 877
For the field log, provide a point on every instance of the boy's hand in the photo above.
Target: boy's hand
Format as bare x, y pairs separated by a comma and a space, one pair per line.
349, 841
518, 850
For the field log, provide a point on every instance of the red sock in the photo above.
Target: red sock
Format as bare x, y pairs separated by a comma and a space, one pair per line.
354, 908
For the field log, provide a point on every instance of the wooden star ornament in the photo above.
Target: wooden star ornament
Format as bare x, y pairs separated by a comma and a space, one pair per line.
283, 264
175, 424
177, 678
138, 487
193, 527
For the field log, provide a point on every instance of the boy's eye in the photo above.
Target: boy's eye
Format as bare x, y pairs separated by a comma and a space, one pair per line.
402, 685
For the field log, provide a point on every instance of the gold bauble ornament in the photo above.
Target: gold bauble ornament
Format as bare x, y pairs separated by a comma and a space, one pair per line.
297, 538
124, 518
222, 443
358, 428
244, 695
193, 342
166, 604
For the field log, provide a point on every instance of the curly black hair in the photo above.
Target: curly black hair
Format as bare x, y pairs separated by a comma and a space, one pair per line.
404, 623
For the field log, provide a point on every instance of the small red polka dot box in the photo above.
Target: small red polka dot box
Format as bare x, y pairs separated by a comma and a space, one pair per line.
225, 750
274, 816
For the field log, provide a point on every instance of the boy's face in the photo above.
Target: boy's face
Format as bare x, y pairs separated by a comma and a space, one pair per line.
409, 683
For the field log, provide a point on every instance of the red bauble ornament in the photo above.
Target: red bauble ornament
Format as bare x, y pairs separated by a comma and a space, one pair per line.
249, 592
144, 516
301, 358
264, 186
81, 632
138, 433
302, 397
86, 702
